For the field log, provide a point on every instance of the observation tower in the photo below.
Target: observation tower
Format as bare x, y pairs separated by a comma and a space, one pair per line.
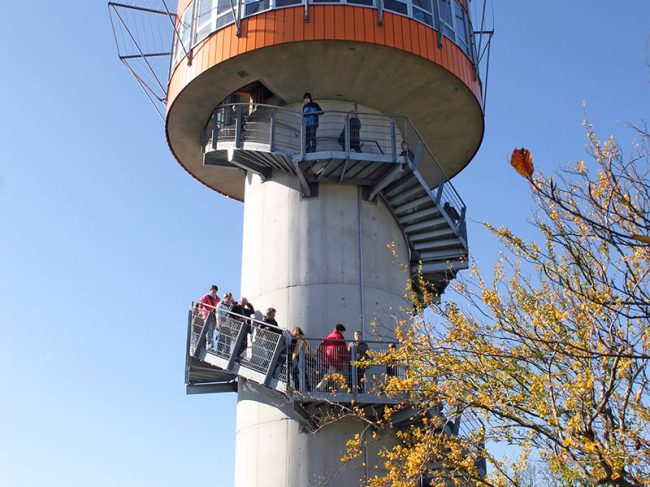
337, 218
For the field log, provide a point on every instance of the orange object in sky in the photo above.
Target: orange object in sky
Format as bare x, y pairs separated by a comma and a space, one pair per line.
522, 161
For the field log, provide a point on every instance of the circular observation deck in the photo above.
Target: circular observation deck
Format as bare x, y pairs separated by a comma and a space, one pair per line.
390, 59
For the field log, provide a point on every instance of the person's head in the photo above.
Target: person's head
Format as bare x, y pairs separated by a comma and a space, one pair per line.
227, 298
243, 301
297, 331
446, 206
391, 346
307, 97
213, 290
353, 114
340, 327
270, 313
357, 335
405, 146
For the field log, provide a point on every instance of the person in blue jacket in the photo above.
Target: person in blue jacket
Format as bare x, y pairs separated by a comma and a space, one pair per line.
311, 110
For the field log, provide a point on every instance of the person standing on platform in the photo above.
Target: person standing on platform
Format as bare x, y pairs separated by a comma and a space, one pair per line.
311, 111
334, 355
359, 353
206, 307
243, 308
224, 337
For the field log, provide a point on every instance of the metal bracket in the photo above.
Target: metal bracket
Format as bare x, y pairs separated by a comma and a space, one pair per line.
303, 181
235, 159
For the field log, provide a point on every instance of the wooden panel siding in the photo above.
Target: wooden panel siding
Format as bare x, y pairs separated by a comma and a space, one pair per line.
327, 22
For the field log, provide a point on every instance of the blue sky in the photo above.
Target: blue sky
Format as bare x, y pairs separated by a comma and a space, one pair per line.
104, 239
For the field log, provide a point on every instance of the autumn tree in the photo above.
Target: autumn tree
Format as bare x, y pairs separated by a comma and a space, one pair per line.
549, 354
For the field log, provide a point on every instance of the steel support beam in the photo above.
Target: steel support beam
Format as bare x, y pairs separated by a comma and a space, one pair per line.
386, 180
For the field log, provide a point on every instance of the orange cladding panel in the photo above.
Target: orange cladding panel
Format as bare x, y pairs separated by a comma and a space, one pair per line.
326, 22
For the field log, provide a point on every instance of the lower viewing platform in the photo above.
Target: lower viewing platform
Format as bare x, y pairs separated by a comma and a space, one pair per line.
224, 348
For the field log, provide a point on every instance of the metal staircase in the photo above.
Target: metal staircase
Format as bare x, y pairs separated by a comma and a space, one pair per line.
263, 139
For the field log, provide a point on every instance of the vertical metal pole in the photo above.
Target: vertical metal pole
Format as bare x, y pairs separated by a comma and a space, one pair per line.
353, 371
346, 133
361, 266
380, 12
238, 127
215, 131
272, 132
393, 139
301, 369
303, 138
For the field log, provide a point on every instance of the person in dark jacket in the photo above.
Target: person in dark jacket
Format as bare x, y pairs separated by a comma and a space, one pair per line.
243, 308
359, 353
311, 110
355, 133
407, 153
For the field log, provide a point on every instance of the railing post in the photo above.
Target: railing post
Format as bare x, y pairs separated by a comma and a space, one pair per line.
346, 131
190, 320
303, 139
393, 139
238, 127
272, 132
215, 131
353, 370
243, 327
462, 227
301, 369
380, 12
274, 359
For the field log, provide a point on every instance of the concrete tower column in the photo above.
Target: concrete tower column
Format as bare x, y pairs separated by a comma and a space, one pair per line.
303, 257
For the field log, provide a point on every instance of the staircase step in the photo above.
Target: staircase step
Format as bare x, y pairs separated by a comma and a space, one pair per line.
425, 225
405, 195
438, 244
447, 254
444, 267
414, 204
403, 184
432, 234
429, 213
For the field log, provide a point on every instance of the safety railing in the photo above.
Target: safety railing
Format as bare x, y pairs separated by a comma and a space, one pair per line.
333, 134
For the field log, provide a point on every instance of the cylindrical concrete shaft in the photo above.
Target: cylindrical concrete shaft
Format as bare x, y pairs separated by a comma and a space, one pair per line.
302, 256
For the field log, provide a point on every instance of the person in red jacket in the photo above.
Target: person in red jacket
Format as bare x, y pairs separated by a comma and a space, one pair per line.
334, 355
207, 305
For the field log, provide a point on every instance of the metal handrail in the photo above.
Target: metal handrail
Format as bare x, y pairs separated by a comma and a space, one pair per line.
231, 120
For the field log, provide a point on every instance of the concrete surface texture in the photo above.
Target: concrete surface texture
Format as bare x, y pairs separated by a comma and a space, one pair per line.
301, 256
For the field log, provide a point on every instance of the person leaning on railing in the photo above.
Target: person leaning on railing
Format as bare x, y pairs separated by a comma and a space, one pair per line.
206, 307
243, 308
